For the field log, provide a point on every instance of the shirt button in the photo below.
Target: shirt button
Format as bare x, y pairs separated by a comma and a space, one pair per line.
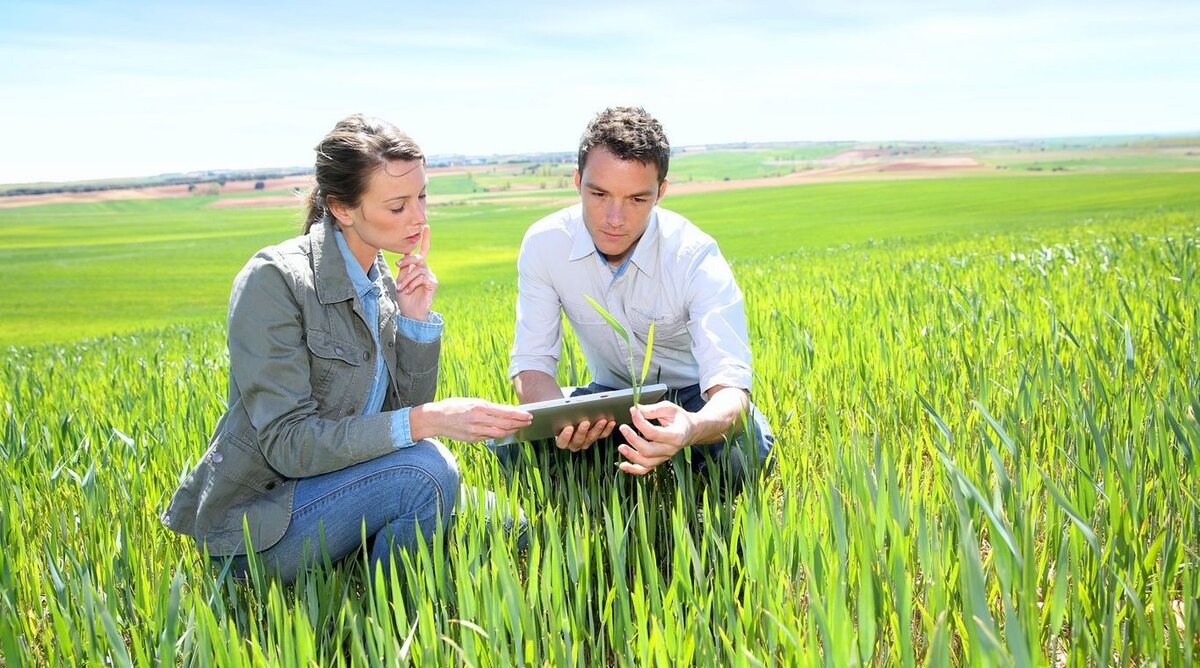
338, 350
217, 458
366, 356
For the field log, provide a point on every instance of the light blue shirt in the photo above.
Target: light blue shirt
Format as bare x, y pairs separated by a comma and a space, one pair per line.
616, 271
369, 288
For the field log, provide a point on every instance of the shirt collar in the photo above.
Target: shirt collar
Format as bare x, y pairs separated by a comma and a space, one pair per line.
363, 282
644, 256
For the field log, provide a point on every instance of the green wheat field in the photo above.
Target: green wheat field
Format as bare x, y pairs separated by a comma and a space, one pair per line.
985, 394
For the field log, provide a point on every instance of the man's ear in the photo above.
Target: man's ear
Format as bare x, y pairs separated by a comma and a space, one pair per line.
578, 179
662, 191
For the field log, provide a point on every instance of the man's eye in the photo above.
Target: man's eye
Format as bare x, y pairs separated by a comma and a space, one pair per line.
640, 200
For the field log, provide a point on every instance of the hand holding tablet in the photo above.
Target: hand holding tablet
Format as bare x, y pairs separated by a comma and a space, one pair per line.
551, 417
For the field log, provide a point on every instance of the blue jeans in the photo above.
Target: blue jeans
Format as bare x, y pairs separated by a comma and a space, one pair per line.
393, 498
751, 451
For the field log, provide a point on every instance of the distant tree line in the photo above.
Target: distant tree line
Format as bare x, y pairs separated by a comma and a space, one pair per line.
191, 180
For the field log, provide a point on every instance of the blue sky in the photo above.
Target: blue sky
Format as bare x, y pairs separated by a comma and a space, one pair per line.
108, 89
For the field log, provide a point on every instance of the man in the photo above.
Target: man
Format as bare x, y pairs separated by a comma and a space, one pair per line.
645, 265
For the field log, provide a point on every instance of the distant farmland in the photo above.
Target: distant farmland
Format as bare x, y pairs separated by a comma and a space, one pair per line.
984, 390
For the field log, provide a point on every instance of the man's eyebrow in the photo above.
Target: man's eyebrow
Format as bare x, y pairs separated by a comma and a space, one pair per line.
645, 193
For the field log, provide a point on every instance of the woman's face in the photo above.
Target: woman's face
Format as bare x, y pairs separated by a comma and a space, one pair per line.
391, 214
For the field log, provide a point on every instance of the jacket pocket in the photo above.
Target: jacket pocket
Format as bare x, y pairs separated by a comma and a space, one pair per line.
236, 460
334, 364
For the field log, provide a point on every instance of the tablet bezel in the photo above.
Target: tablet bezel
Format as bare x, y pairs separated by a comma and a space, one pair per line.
550, 417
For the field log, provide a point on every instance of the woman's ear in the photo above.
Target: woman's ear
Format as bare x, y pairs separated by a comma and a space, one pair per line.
340, 211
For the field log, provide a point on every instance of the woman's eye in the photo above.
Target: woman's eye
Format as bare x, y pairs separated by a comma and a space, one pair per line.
398, 211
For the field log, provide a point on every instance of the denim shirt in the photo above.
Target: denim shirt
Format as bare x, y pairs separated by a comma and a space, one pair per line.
369, 287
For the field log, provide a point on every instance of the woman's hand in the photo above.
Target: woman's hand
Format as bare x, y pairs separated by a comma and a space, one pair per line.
466, 419
415, 283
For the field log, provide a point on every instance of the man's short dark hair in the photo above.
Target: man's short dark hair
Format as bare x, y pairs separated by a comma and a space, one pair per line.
631, 134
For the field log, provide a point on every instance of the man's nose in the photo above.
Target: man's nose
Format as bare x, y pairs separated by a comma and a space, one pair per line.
612, 214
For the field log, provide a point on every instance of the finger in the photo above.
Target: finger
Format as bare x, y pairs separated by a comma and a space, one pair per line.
609, 429
564, 437
581, 433
660, 409
633, 438
408, 283
581, 447
418, 280
597, 431
645, 427
507, 426
509, 412
410, 261
641, 450
634, 469
426, 232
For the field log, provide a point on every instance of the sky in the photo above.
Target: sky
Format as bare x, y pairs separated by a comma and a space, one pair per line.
118, 89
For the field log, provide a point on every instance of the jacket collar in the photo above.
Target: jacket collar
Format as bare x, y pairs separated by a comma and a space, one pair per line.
329, 269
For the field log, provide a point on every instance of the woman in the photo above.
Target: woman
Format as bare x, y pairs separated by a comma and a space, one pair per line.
332, 370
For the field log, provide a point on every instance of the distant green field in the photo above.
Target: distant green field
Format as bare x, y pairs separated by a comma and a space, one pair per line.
1097, 161
723, 165
984, 393
71, 271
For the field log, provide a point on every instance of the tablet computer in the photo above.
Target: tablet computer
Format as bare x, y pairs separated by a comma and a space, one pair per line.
550, 417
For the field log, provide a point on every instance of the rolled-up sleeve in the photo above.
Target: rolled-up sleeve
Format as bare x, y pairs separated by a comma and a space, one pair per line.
717, 323
537, 342
269, 363
424, 332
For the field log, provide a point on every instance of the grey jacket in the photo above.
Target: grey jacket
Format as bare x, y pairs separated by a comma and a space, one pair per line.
301, 362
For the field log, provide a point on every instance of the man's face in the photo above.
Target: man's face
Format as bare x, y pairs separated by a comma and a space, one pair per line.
618, 197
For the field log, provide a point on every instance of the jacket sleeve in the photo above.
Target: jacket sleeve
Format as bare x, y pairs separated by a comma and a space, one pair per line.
270, 365
417, 363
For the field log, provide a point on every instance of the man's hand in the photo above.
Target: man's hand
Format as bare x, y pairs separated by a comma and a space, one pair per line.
653, 444
583, 435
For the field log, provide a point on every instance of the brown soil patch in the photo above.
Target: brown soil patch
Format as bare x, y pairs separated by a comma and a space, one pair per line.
264, 201
154, 192
854, 164
850, 166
